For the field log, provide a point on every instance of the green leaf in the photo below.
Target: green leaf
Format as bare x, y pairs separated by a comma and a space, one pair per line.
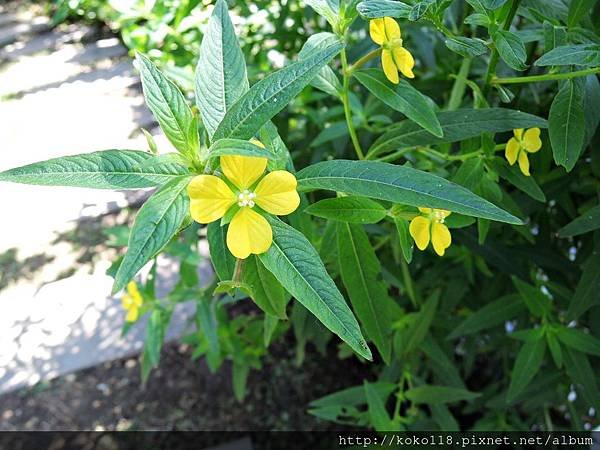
208, 324
361, 273
221, 72
587, 293
238, 147
420, 9
402, 97
589, 221
436, 395
158, 220
457, 126
270, 95
467, 47
578, 9
489, 316
555, 349
398, 184
354, 396
578, 340
297, 266
528, 363
493, 4
267, 292
155, 335
169, 107
240, 378
567, 124
442, 364
373, 9
220, 256
420, 327
406, 242
348, 209
269, 326
108, 169
587, 55
379, 417
535, 300
326, 79
583, 376
329, 9
515, 177
511, 49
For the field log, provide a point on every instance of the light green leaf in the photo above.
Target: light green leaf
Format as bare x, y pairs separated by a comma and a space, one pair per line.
467, 47
240, 377
169, 107
297, 266
220, 256
155, 335
379, 417
528, 363
326, 79
267, 292
361, 273
587, 55
567, 124
435, 395
108, 169
457, 126
398, 184
420, 9
589, 221
511, 49
238, 147
407, 244
221, 72
155, 225
270, 95
402, 97
208, 323
329, 9
373, 9
491, 315
348, 209
578, 340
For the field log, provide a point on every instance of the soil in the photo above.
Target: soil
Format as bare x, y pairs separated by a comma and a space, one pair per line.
183, 395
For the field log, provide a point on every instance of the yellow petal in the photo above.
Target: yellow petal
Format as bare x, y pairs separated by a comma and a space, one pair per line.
524, 163
419, 230
134, 293
518, 133
531, 140
248, 233
440, 238
132, 314
126, 301
389, 68
392, 29
425, 210
404, 61
210, 198
512, 150
243, 171
377, 31
276, 193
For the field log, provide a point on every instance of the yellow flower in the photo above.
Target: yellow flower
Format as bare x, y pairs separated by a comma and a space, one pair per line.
132, 301
249, 232
430, 226
523, 143
394, 57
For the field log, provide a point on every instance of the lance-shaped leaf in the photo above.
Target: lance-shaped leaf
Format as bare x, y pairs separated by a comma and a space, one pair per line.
361, 274
297, 266
373, 9
329, 9
326, 80
402, 97
467, 47
587, 293
169, 107
238, 147
108, 169
157, 222
528, 363
585, 223
457, 126
348, 209
435, 395
270, 95
587, 55
511, 49
267, 292
221, 72
567, 124
398, 184
222, 260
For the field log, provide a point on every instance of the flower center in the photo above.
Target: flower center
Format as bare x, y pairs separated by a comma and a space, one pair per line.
246, 198
395, 43
438, 216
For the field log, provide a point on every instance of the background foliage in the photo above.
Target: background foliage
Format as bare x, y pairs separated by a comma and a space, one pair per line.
501, 333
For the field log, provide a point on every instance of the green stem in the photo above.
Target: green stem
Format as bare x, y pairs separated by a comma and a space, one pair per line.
459, 86
408, 284
346, 103
363, 60
237, 271
546, 77
491, 71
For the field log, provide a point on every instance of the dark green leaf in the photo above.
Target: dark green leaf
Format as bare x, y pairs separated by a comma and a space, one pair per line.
511, 49
373, 9
406, 242
420, 327
467, 47
267, 292
379, 417
238, 147
587, 55
326, 79
220, 256
583, 376
589, 221
435, 395
515, 177
528, 363
348, 209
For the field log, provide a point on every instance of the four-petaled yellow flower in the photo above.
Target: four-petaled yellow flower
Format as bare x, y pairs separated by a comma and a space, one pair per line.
430, 226
249, 232
394, 57
523, 143
132, 301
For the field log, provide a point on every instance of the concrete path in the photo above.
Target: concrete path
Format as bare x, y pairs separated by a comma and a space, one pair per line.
62, 92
